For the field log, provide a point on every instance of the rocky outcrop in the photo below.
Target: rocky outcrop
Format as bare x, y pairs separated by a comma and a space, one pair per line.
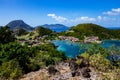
68, 70
81, 69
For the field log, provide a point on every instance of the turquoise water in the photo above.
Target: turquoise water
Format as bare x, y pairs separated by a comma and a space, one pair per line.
109, 43
69, 48
72, 49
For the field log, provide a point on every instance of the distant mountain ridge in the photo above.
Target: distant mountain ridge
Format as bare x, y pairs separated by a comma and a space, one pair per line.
113, 28
19, 24
56, 27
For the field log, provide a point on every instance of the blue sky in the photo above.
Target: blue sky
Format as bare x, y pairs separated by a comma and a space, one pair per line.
67, 12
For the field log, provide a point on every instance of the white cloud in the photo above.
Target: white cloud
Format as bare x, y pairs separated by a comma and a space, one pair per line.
83, 19
116, 10
113, 12
57, 18
99, 18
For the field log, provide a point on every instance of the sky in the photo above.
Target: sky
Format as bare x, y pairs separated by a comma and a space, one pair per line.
68, 12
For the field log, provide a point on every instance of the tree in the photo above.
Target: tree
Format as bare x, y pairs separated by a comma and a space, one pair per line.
6, 35
20, 32
21, 54
43, 31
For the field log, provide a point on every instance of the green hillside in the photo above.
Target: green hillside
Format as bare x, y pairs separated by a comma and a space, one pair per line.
43, 31
38, 32
89, 29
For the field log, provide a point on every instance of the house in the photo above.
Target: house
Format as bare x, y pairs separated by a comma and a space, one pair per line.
68, 38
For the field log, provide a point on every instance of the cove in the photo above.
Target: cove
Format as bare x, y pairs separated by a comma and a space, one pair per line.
72, 49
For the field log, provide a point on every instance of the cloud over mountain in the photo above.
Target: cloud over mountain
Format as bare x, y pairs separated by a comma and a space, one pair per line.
57, 18
109, 17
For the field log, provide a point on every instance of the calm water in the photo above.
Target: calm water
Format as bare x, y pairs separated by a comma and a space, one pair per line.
72, 49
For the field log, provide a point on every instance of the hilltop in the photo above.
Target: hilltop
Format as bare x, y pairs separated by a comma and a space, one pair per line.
19, 24
89, 29
43, 31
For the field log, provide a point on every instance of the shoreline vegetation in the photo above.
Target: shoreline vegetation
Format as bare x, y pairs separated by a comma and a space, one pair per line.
28, 55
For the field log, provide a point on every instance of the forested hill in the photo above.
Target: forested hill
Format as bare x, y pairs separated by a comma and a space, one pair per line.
90, 29
43, 31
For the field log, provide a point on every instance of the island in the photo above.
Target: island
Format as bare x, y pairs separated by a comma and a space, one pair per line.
85, 51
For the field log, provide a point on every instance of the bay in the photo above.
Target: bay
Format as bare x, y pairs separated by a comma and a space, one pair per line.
72, 49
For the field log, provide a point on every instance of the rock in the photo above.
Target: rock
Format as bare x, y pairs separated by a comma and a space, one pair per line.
67, 71
86, 75
75, 73
84, 63
86, 69
52, 70
73, 66
85, 72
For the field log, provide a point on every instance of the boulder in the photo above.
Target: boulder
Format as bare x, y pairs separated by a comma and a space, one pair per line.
84, 63
85, 72
86, 75
73, 66
52, 70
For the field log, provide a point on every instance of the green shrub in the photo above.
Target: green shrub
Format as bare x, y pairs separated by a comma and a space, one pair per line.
100, 63
78, 62
85, 55
10, 69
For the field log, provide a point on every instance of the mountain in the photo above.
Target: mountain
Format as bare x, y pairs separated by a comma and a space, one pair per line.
56, 27
89, 29
19, 24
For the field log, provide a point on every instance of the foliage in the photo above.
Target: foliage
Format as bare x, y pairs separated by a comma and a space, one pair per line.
89, 29
78, 62
6, 35
85, 55
43, 31
16, 59
10, 69
102, 59
95, 49
114, 54
50, 55
16, 51
20, 32
100, 63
